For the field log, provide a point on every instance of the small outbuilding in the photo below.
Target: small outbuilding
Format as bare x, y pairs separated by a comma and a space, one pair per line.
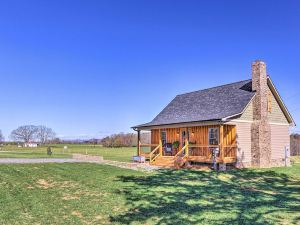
31, 145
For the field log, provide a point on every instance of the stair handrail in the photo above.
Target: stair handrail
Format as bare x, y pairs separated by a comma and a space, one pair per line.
184, 148
180, 152
152, 153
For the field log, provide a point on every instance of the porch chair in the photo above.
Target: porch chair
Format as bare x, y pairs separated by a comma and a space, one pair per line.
168, 149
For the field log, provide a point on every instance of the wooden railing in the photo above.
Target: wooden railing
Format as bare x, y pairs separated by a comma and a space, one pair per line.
200, 153
157, 151
227, 153
146, 153
184, 152
202, 150
230, 153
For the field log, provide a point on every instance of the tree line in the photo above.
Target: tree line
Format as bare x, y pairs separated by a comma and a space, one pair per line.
31, 133
46, 135
124, 140
295, 144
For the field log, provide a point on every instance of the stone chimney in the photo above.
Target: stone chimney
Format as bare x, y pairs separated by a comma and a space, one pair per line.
260, 130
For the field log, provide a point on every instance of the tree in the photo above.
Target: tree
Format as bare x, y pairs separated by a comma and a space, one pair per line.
1, 137
55, 141
125, 140
44, 134
24, 133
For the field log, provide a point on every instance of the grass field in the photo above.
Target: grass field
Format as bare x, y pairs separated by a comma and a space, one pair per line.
98, 194
295, 159
117, 154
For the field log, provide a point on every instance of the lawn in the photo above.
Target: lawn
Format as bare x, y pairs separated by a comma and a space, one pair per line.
295, 159
117, 154
99, 194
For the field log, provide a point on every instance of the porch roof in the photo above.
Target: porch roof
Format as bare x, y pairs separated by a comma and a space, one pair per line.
205, 105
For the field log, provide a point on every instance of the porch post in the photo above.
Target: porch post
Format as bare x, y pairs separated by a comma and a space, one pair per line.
160, 144
139, 142
160, 147
221, 143
187, 147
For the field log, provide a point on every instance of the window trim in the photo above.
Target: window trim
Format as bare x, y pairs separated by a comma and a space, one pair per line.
217, 129
161, 137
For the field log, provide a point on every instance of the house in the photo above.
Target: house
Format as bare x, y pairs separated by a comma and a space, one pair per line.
245, 124
30, 144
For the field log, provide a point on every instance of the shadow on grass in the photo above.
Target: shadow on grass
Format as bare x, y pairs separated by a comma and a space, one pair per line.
198, 197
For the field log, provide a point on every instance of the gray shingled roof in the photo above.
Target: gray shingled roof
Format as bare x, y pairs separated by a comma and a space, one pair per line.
205, 105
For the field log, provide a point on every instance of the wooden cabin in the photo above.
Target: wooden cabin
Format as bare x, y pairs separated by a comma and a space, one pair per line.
245, 124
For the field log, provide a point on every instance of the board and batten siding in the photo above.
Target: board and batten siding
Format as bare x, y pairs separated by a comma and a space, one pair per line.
248, 113
280, 138
197, 135
275, 116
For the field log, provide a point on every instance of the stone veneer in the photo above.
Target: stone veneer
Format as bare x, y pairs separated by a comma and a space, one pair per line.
260, 128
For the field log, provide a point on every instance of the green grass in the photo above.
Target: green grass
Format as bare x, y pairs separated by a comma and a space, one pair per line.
98, 194
295, 159
117, 154
32, 154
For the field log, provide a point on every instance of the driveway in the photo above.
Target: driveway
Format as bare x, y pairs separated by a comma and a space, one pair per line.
125, 165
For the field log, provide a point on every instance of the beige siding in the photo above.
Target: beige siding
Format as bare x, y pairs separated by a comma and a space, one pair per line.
248, 114
276, 116
280, 138
243, 139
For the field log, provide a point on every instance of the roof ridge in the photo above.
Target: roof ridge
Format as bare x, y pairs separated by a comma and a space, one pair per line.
223, 85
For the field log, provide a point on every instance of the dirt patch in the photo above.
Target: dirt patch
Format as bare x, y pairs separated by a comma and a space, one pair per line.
46, 184
68, 197
87, 157
77, 213
42, 183
30, 187
65, 184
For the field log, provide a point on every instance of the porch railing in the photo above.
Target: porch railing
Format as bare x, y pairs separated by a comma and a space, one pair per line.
156, 152
202, 150
184, 152
230, 153
227, 153
201, 153
146, 149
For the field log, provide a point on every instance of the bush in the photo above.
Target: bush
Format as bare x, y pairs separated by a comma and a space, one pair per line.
49, 151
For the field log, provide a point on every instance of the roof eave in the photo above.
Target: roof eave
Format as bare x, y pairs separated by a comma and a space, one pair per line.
175, 124
281, 103
241, 113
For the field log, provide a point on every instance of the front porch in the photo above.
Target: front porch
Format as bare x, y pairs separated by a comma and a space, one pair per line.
194, 144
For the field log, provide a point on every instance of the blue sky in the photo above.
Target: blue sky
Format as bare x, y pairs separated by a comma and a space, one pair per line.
92, 68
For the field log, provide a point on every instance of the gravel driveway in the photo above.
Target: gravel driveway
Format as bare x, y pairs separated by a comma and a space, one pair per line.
125, 165
37, 160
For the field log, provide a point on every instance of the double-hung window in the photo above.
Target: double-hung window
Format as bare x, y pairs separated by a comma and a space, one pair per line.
213, 134
164, 138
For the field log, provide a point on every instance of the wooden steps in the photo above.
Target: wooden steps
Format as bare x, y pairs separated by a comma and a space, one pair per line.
164, 161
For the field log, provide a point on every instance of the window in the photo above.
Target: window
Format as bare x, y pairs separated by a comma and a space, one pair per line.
213, 134
164, 138
270, 102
